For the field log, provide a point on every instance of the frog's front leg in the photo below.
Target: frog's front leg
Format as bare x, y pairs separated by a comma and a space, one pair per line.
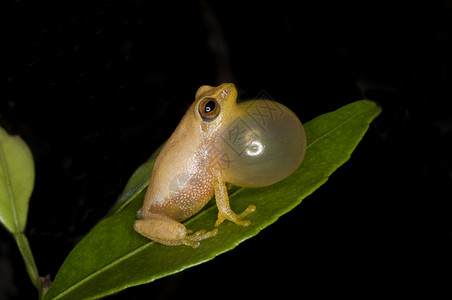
167, 231
224, 209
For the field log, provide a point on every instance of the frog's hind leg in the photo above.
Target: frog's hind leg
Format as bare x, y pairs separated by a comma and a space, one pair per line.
224, 209
167, 231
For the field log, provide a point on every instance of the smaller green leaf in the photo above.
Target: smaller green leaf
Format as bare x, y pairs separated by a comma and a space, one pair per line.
17, 177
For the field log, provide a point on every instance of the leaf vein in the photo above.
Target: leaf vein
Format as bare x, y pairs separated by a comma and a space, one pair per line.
106, 267
9, 187
329, 131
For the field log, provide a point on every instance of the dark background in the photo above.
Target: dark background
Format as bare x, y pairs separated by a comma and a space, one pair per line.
95, 86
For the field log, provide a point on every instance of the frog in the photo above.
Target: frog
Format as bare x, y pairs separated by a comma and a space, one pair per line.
219, 142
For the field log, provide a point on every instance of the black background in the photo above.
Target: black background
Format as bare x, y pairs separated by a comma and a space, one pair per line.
95, 86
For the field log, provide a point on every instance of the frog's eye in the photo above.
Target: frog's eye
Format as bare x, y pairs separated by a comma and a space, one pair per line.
208, 109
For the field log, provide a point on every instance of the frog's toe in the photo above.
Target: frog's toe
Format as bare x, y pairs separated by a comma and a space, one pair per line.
193, 239
251, 208
237, 219
193, 244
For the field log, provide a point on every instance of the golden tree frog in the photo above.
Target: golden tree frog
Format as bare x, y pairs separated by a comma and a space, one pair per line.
249, 144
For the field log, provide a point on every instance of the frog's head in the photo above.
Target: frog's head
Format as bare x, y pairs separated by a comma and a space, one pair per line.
256, 142
213, 104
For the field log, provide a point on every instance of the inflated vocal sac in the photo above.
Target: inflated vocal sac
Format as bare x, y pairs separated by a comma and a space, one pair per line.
263, 143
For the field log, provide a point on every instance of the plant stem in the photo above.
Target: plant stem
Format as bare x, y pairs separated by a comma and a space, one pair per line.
27, 255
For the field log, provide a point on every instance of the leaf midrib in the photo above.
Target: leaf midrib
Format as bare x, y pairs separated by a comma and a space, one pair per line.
329, 131
9, 188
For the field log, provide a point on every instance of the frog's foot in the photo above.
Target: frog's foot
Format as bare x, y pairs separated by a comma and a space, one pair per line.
225, 213
167, 231
193, 239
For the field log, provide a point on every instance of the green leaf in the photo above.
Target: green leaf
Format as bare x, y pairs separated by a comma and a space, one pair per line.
17, 177
113, 256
